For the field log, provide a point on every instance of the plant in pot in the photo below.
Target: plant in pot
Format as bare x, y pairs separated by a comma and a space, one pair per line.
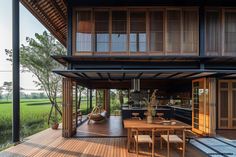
54, 122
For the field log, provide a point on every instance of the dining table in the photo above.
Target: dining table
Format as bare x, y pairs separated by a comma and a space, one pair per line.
130, 124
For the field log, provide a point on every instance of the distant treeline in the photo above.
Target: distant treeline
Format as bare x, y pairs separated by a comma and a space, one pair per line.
38, 95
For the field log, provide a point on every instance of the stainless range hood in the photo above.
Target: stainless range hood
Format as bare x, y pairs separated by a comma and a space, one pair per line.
135, 85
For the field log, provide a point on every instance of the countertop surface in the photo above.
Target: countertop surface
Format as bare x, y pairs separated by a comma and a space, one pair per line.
163, 107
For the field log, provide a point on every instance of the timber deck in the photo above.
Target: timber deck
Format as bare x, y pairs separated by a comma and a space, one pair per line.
50, 143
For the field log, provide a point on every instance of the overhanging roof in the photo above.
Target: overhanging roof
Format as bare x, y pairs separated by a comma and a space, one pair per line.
52, 14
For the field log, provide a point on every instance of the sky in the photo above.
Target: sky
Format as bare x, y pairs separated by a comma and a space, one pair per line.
29, 25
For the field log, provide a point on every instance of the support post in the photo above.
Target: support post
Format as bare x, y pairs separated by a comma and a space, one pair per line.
107, 101
91, 99
201, 30
212, 106
69, 25
16, 71
87, 100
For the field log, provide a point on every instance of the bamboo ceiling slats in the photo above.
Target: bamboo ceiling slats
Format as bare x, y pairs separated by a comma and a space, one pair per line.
52, 14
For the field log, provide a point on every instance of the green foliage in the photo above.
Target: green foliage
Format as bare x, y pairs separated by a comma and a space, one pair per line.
36, 58
33, 118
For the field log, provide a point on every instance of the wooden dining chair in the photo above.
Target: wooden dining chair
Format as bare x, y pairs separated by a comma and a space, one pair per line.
139, 138
173, 138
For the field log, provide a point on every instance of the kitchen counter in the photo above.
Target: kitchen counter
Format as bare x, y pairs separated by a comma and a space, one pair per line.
127, 112
177, 112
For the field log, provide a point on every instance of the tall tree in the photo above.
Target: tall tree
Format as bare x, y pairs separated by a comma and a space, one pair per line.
1, 91
35, 57
7, 86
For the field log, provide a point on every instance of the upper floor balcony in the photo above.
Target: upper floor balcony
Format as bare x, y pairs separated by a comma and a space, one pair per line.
153, 31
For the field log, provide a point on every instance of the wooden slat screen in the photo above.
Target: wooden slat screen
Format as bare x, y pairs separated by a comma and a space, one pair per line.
102, 31
156, 31
220, 32
190, 32
68, 125
84, 31
234, 105
135, 31
137, 37
119, 31
227, 104
173, 31
213, 32
230, 33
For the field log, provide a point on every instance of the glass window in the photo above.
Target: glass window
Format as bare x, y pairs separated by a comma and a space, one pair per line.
212, 32
137, 36
84, 31
119, 31
101, 31
173, 31
230, 33
156, 31
190, 31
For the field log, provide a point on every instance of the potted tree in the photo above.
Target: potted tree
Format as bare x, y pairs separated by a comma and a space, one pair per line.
54, 122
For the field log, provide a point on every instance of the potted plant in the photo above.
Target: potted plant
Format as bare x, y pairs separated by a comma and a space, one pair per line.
54, 122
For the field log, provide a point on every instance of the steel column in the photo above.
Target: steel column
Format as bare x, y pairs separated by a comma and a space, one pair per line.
16, 71
201, 30
91, 99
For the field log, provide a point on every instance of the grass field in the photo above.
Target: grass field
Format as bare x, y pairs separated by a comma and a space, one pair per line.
33, 118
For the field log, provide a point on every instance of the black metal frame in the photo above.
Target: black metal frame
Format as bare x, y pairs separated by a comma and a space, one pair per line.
16, 71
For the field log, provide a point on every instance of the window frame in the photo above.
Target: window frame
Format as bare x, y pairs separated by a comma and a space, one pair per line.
147, 11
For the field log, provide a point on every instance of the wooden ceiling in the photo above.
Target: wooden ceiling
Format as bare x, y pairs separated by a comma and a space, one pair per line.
52, 14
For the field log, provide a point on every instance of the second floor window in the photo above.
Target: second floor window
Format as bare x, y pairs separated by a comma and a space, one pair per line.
166, 31
119, 31
102, 31
137, 36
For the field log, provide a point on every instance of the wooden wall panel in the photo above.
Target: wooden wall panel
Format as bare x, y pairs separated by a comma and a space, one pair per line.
227, 104
68, 129
212, 106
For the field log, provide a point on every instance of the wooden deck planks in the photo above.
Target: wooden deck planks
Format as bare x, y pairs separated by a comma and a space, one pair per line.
50, 143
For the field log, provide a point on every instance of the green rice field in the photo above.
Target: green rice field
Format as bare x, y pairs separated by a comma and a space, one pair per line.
33, 118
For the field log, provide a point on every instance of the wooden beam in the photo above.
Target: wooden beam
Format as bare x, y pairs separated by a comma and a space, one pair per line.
123, 77
173, 75
186, 76
109, 76
56, 6
100, 75
85, 75
81, 76
139, 75
155, 76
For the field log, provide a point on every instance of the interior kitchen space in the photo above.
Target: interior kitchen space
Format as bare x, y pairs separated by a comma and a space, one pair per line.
171, 99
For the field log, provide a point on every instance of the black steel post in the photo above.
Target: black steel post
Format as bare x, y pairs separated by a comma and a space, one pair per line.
16, 71
91, 99
87, 100
201, 30
69, 26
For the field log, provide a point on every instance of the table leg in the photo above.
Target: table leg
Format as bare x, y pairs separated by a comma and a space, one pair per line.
128, 144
